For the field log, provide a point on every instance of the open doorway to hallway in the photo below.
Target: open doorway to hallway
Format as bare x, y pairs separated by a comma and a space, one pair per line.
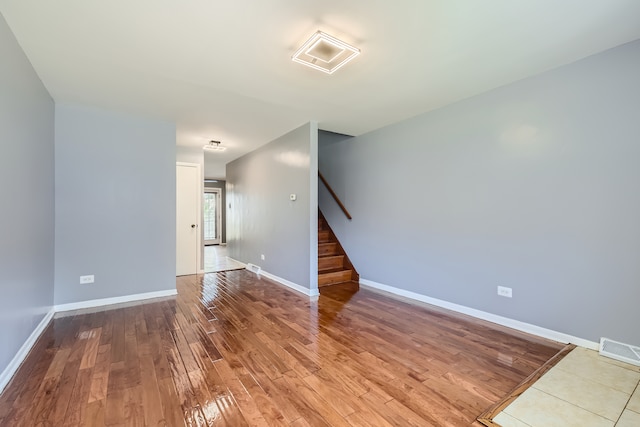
214, 212
214, 228
212, 216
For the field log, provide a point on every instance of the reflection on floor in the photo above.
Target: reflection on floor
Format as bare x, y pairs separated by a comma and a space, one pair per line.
216, 259
584, 389
234, 349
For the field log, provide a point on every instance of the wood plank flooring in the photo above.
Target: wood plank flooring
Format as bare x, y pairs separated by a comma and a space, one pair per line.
233, 349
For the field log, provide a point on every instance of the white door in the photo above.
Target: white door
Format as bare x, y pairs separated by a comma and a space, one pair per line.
187, 218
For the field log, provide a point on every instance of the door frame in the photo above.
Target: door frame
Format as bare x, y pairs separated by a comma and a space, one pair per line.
199, 234
218, 240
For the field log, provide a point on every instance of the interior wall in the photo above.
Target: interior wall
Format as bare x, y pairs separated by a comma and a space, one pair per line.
214, 168
115, 194
27, 194
532, 186
221, 184
261, 217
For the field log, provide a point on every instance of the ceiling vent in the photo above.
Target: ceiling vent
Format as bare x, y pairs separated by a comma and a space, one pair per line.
325, 53
620, 351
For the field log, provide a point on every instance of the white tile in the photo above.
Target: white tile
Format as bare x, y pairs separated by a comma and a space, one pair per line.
634, 402
585, 393
539, 409
584, 363
596, 355
506, 420
613, 361
629, 419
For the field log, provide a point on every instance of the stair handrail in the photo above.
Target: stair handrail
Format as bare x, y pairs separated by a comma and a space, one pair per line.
335, 196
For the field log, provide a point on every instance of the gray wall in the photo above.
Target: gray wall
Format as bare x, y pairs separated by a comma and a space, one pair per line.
222, 185
533, 186
115, 204
262, 219
214, 167
26, 191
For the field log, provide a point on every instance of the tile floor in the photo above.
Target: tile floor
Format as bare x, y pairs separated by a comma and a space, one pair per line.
216, 259
584, 389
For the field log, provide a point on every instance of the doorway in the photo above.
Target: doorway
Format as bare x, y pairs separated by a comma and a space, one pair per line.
212, 216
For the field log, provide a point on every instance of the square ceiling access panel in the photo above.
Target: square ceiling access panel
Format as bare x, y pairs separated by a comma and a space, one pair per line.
325, 53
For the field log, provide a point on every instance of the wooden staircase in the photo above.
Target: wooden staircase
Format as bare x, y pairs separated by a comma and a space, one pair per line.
334, 266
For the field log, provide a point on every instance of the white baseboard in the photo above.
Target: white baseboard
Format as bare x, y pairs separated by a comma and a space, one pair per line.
115, 300
306, 291
17, 360
504, 321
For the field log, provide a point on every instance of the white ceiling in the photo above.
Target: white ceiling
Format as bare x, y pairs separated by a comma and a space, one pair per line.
222, 69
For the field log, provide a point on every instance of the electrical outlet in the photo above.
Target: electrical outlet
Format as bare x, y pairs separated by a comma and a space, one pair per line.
87, 279
505, 292
262, 257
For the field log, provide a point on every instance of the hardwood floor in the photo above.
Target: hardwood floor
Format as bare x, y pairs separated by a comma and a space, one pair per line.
236, 350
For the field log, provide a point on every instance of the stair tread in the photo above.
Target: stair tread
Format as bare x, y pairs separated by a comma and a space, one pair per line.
336, 270
332, 270
335, 276
330, 262
350, 285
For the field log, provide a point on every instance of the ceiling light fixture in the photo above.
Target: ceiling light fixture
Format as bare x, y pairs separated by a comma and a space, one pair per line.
214, 146
325, 53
